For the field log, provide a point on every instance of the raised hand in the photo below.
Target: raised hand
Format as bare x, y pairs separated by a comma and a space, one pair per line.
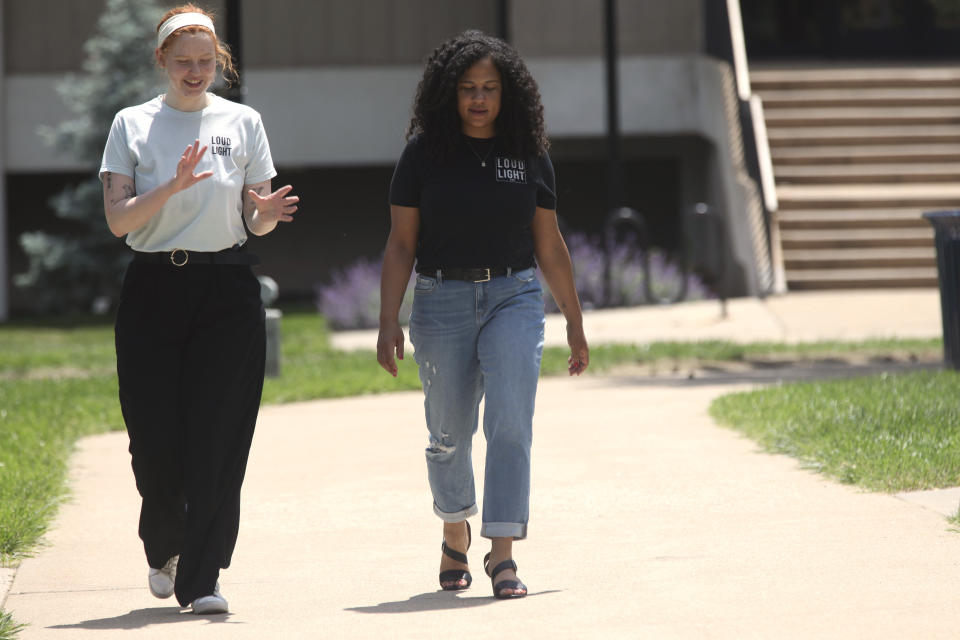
276, 207
185, 177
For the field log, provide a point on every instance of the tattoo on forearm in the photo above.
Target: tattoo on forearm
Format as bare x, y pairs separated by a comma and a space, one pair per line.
128, 192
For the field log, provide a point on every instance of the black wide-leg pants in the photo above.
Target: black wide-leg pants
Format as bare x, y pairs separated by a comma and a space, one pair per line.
190, 359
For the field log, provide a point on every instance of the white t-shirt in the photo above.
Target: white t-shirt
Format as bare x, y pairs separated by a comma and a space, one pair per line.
146, 143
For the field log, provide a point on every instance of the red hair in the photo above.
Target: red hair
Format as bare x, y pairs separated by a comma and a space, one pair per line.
224, 59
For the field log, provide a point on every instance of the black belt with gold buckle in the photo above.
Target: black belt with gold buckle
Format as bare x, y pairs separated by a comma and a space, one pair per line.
469, 275
182, 257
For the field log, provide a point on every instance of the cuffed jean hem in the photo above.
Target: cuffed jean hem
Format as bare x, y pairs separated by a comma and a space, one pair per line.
515, 530
456, 516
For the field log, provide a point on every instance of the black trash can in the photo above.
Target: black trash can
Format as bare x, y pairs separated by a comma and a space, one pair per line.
946, 225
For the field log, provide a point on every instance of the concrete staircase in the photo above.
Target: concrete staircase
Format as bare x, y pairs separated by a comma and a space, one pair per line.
858, 155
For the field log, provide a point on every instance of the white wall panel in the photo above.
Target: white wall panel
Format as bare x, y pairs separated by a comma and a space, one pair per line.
339, 116
32, 101
343, 116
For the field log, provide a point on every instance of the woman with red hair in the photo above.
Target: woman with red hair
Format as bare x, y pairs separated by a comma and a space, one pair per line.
185, 176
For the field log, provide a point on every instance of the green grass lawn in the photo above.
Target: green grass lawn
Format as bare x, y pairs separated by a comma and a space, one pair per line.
8, 627
39, 422
882, 433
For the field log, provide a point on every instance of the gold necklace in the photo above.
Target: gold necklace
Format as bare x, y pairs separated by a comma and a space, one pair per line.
483, 160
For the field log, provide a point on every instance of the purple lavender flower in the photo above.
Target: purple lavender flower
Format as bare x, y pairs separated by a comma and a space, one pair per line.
627, 278
352, 299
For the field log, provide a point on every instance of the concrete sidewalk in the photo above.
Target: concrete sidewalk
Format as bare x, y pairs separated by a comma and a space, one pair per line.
647, 521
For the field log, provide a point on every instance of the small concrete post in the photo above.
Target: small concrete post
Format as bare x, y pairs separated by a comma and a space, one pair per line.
268, 294
706, 216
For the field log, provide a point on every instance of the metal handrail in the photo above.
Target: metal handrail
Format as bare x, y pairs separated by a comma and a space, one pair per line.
730, 45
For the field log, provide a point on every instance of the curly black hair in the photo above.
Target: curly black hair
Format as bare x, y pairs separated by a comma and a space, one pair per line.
520, 121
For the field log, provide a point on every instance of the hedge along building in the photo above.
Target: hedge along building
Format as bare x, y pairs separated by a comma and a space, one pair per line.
335, 91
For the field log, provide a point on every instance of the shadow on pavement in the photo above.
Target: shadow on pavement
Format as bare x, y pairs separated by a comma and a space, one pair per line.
139, 618
800, 372
435, 601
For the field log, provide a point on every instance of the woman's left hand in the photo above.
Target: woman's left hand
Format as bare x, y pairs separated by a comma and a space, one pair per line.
579, 351
276, 207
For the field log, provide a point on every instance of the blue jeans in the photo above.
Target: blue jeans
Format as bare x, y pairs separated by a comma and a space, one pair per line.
473, 340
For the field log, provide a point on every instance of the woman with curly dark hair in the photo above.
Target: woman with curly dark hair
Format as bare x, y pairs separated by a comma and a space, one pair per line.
473, 202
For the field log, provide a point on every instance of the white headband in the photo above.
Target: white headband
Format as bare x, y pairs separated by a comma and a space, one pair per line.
181, 20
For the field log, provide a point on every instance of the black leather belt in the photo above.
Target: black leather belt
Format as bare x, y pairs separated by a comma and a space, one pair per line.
182, 257
470, 275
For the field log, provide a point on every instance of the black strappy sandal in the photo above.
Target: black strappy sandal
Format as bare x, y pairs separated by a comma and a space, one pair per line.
504, 584
456, 575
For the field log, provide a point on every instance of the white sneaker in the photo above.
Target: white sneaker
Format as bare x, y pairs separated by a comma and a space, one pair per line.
215, 603
161, 580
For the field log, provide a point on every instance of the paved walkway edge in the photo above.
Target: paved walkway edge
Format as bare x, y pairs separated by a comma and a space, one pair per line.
6, 581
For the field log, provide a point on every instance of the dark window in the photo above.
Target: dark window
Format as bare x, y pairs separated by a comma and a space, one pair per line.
851, 29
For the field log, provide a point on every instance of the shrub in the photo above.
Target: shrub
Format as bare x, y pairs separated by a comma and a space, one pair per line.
627, 287
83, 269
352, 299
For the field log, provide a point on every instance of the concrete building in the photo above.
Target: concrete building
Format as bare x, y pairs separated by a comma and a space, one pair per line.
861, 107
334, 81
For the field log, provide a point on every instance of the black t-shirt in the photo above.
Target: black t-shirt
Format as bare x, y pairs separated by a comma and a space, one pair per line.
473, 215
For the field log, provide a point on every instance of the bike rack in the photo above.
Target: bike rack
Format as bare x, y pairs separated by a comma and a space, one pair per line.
632, 219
